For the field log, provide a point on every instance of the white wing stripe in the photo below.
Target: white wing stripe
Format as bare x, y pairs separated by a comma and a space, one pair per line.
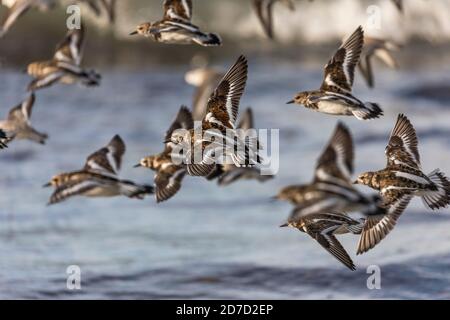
412, 177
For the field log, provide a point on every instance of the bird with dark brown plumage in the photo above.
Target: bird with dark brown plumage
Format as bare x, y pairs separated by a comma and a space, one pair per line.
218, 138
400, 181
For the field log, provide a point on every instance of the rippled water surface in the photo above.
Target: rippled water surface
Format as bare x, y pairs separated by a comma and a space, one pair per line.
209, 242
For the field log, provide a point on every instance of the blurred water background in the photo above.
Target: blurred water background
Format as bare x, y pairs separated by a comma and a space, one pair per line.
211, 242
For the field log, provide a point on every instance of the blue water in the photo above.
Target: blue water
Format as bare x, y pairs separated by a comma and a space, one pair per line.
208, 242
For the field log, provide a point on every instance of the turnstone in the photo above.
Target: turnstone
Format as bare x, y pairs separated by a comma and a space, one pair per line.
334, 96
176, 26
168, 175
331, 189
218, 136
4, 139
17, 8
379, 48
64, 67
323, 227
98, 178
18, 125
402, 179
205, 80
228, 173
264, 12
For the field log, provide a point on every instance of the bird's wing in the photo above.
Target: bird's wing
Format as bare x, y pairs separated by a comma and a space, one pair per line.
340, 70
45, 81
22, 112
70, 49
386, 56
200, 169
336, 162
403, 144
183, 120
72, 189
15, 12
178, 10
312, 207
366, 70
223, 105
208, 163
329, 242
206, 166
168, 182
378, 226
108, 159
263, 9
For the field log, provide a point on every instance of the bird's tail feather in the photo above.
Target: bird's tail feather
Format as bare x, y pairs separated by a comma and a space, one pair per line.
376, 228
133, 190
441, 197
208, 40
37, 136
369, 111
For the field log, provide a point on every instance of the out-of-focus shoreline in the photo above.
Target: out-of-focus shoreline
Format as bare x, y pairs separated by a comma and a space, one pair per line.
104, 50
36, 34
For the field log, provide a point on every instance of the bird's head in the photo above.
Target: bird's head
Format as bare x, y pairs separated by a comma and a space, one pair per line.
179, 136
146, 162
300, 98
290, 193
55, 181
143, 29
368, 179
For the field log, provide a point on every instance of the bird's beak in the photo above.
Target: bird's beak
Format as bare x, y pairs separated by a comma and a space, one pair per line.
355, 182
274, 198
137, 165
167, 141
133, 33
290, 102
47, 185
284, 225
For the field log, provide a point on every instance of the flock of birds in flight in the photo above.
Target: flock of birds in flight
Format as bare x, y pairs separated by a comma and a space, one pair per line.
323, 208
